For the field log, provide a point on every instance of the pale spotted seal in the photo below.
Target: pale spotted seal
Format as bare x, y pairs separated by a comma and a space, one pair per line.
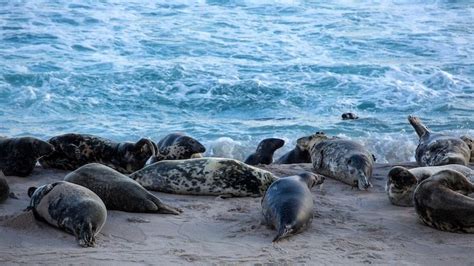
301, 154
288, 204
438, 149
264, 152
118, 191
75, 150
205, 176
71, 207
18, 156
177, 146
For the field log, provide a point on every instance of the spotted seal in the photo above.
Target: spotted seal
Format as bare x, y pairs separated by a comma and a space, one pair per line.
438, 149
177, 146
343, 160
441, 202
18, 156
300, 154
118, 191
4, 188
205, 176
470, 143
264, 152
401, 182
75, 150
288, 206
70, 207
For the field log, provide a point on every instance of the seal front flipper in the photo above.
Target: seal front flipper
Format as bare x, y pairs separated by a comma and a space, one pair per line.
85, 235
283, 232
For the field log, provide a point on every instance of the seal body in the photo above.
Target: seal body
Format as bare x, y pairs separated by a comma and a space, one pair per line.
349, 116
117, 191
4, 188
441, 202
438, 149
301, 152
75, 150
288, 204
470, 143
343, 160
177, 146
205, 176
264, 152
71, 207
18, 156
402, 182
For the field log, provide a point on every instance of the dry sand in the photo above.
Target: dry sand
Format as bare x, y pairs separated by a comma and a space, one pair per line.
349, 227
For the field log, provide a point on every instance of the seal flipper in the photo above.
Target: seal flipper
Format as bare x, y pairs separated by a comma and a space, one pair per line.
85, 235
283, 232
416, 123
161, 207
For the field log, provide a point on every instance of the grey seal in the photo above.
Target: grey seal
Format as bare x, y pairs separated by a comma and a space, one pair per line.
265, 150
301, 152
177, 146
4, 188
118, 191
288, 204
349, 116
70, 207
205, 176
470, 143
438, 149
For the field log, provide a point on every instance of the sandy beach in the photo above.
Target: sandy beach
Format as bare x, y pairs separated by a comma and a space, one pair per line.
349, 227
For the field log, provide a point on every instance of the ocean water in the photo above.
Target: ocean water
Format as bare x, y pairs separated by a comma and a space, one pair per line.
231, 73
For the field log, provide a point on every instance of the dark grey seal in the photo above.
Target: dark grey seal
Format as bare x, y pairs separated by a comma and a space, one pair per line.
349, 116
470, 143
177, 146
301, 152
70, 207
288, 204
265, 150
118, 191
4, 188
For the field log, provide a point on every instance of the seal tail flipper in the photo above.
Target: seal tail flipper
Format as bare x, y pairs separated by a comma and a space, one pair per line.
163, 208
418, 126
283, 232
85, 236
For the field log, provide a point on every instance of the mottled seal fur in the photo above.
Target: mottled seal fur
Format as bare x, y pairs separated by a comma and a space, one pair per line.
71, 207
438, 149
18, 156
441, 202
4, 188
288, 204
177, 146
264, 152
470, 143
75, 150
343, 160
118, 191
205, 176
301, 154
402, 182
349, 116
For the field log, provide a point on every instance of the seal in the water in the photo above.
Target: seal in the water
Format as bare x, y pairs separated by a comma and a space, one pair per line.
402, 182
349, 116
177, 146
205, 176
288, 204
470, 143
75, 150
4, 188
264, 152
300, 154
438, 149
441, 202
71, 207
18, 156
343, 160
118, 191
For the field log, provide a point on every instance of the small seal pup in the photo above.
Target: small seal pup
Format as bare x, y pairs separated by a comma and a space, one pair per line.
18, 156
4, 188
288, 204
117, 191
438, 149
441, 202
402, 182
71, 207
343, 160
300, 154
205, 176
177, 146
349, 116
264, 152
75, 150
470, 143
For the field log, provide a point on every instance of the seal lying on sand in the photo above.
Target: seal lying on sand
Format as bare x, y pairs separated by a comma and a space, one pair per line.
71, 207
4, 188
18, 156
438, 149
288, 204
205, 176
264, 152
402, 182
75, 150
301, 154
470, 143
343, 160
117, 191
177, 146
441, 202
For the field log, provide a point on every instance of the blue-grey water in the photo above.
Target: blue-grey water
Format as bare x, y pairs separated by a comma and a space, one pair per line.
231, 73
